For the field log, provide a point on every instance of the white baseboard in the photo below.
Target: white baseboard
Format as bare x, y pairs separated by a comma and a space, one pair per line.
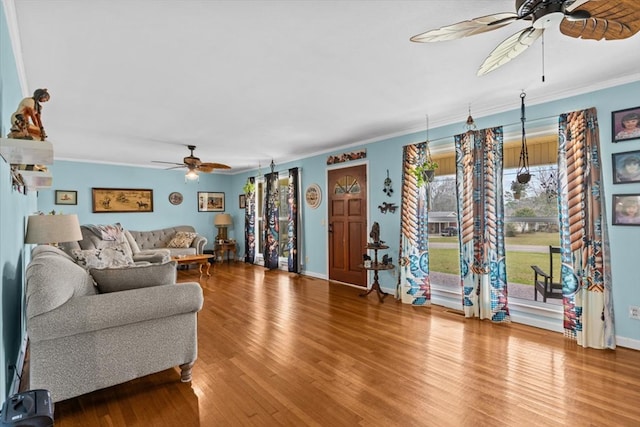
15, 381
628, 343
313, 274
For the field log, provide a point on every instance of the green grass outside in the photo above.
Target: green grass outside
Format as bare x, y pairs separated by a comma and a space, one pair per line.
536, 239
518, 263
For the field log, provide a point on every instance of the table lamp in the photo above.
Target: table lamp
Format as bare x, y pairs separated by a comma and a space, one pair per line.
53, 229
222, 221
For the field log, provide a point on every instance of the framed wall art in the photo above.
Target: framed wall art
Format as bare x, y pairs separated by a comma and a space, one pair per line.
175, 198
210, 202
625, 124
121, 200
242, 200
66, 197
626, 167
626, 209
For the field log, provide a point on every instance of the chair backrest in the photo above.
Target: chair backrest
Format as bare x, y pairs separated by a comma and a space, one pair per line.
552, 251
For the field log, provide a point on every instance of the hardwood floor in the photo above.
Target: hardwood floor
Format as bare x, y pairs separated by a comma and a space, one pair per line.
281, 349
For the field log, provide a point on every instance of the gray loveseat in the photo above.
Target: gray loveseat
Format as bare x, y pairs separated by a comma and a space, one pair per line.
84, 337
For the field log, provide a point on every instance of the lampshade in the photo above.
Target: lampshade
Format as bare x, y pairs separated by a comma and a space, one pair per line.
53, 229
222, 220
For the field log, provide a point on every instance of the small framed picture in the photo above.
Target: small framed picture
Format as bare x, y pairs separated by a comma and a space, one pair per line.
210, 202
626, 209
66, 197
242, 199
625, 124
626, 167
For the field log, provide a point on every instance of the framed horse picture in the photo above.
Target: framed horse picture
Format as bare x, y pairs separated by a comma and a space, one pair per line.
121, 200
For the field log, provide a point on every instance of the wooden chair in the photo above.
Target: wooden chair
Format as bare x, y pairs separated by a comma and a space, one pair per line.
543, 282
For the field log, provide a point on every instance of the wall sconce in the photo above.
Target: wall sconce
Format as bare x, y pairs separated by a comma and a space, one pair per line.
53, 229
222, 221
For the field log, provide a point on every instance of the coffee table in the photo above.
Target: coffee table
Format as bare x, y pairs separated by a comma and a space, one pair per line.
201, 260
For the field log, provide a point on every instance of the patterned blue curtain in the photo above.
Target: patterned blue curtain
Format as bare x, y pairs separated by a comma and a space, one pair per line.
271, 250
292, 220
413, 281
481, 220
250, 225
586, 278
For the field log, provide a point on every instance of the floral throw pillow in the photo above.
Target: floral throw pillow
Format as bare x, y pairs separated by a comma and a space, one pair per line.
182, 239
112, 256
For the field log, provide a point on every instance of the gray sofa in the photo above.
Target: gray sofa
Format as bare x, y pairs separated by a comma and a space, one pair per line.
83, 336
146, 246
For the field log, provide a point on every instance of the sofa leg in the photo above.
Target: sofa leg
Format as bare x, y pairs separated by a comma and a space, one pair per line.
185, 374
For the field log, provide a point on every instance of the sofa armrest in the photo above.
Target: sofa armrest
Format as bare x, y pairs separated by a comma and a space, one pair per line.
95, 312
199, 243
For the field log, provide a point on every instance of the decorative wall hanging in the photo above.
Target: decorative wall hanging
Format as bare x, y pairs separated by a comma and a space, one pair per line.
346, 157
313, 196
121, 200
625, 124
387, 207
387, 185
66, 197
175, 198
626, 167
210, 202
242, 201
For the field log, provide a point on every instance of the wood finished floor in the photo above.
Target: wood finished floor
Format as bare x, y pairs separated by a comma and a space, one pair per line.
281, 349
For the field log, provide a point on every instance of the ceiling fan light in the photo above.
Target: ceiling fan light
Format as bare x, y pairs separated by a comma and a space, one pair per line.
191, 175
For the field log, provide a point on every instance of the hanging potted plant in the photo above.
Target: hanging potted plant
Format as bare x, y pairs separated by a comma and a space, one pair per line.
249, 187
425, 169
425, 172
517, 188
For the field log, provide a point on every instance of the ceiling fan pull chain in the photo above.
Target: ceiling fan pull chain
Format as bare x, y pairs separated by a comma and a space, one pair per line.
542, 57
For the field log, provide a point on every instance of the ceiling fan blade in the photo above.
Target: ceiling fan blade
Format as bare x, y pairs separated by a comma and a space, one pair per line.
168, 163
466, 28
209, 167
509, 49
609, 20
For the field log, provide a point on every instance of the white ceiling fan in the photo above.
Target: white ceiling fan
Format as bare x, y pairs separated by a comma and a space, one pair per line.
587, 19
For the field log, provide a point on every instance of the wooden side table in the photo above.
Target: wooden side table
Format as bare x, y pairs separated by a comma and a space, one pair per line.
221, 248
375, 267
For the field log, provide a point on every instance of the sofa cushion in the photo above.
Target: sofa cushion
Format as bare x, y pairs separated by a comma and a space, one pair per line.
52, 279
113, 256
125, 278
182, 239
132, 242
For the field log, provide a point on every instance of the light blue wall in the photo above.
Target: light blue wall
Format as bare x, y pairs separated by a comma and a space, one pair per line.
82, 177
14, 207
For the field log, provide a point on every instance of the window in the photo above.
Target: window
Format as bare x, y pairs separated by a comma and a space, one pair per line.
283, 184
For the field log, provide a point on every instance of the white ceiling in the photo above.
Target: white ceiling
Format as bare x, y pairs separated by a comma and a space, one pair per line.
250, 81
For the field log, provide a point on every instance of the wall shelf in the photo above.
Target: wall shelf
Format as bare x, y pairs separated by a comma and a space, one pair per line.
28, 152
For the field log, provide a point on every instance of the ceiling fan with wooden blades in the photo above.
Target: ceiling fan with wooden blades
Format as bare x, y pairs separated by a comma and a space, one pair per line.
194, 164
586, 19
